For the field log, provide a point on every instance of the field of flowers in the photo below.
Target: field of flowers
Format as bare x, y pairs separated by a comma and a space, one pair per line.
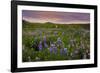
51, 42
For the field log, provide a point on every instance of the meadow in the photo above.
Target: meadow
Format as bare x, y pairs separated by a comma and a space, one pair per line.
51, 42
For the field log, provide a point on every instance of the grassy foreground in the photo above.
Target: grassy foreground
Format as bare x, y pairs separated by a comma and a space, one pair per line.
51, 42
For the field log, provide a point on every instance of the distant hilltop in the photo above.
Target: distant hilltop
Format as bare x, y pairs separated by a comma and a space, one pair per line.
24, 21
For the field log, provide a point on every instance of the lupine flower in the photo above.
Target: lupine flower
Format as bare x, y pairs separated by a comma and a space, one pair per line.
61, 51
45, 42
55, 50
59, 41
63, 33
40, 46
55, 33
45, 45
44, 38
65, 50
52, 45
51, 49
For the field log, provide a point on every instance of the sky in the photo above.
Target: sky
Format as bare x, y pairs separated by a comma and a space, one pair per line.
55, 17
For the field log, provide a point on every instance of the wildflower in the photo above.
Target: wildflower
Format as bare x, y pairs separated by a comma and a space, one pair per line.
59, 41
52, 45
61, 51
63, 33
65, 50
55, 50
40, 46
55, 33
50, 49
45, 45
44, 38
45, 42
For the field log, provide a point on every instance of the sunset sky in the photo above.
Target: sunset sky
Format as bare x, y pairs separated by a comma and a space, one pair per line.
55, 17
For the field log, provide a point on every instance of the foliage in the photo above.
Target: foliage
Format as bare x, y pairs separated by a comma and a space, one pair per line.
50, 42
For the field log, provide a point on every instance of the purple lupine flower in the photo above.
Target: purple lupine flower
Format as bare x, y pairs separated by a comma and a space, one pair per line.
65, 50
45, 45
40, 46
44, 42
63, 33
59, 41
50, 49
61, 51
55, 50
55, 33
52, 45
44, 39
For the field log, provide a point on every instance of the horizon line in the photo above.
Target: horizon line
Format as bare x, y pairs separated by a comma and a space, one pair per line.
58, 23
